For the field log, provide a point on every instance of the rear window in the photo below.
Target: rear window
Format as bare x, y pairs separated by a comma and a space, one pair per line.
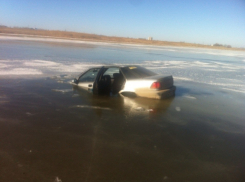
133, 72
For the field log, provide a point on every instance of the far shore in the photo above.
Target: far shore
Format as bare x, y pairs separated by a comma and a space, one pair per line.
53, 34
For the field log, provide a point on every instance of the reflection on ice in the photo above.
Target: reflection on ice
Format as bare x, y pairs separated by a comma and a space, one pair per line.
189, 97
178, 109
29, 114
3, 99
92, 107
40, 63
139, 109
130, 106
190, 111
20, 71
183, 78
41, 67
62, 90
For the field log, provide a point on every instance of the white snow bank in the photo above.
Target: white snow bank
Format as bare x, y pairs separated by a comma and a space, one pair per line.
38, 67
42, 63
21, 71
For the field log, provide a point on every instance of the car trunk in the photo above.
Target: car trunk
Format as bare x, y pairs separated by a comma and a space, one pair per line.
165, 81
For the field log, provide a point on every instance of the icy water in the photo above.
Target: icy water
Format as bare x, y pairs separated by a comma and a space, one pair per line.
52, 131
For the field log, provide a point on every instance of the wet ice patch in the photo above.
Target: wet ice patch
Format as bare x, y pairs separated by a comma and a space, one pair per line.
21, 71
92, 107
216, 70
192, 64
189, 97
178, 109
29, 114
216, 52
75, 95
2, 65
182, 78
62, 90
139, 109
57, 179
3, 99
42, 67
202, 71
234, 90
42, 63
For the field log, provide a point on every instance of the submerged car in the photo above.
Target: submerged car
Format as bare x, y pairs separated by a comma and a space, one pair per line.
126, 80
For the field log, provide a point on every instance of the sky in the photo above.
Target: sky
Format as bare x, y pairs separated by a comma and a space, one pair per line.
193, 21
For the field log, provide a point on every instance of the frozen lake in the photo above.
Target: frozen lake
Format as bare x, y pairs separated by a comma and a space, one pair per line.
51, 130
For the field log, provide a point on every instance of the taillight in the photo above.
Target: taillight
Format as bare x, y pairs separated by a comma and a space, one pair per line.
155, 85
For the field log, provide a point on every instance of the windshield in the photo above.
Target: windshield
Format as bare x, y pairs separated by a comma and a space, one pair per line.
135, 72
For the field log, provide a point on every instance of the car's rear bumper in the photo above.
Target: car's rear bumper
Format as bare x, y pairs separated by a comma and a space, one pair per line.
167, 93
156, 94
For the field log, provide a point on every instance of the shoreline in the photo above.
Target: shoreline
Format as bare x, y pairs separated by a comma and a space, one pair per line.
75, 36
63, 40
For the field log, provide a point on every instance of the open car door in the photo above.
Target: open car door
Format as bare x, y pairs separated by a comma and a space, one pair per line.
86, 80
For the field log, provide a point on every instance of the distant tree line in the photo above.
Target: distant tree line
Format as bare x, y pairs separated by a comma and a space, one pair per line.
221, 45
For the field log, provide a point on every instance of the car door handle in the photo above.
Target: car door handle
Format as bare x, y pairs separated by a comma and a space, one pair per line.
90, 85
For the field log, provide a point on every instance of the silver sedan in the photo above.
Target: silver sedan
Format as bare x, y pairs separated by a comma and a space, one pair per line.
127, 81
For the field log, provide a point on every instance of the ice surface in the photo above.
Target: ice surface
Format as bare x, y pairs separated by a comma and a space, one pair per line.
221, 68
213, 73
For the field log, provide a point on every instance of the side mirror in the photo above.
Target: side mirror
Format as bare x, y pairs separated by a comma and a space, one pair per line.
75, 81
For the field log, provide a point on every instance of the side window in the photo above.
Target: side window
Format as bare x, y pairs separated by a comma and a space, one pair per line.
111, 71
89, 76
